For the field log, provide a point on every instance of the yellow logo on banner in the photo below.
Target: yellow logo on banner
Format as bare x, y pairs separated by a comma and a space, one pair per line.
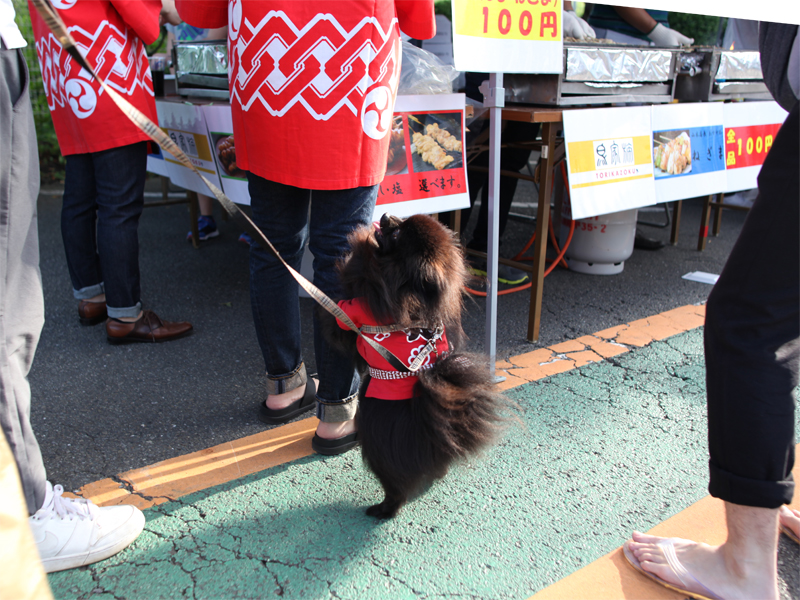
599, 162
537, 20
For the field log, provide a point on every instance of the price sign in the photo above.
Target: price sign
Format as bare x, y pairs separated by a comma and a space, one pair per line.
508, 36
527, 20
748, 146
750, 130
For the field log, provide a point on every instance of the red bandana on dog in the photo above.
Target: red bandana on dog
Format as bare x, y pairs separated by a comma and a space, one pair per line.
405, 345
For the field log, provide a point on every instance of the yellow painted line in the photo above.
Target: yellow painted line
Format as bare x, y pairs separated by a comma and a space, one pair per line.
612, 578
177, 477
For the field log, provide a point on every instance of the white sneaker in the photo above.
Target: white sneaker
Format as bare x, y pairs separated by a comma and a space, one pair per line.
71, 532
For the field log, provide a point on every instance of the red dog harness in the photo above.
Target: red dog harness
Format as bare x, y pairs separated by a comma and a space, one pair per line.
413, 345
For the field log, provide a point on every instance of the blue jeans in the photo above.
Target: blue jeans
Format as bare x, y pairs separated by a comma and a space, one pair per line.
103, 200
282, 213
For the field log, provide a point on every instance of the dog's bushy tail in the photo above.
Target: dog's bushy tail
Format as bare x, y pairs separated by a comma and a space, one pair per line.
459, 405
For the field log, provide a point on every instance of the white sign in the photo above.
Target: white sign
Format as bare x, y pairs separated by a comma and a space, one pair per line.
155, 161
185, 124
609, 159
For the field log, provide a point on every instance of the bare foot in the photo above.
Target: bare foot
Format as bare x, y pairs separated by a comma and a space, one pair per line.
707, 571
790, 518
332, 431
278, 401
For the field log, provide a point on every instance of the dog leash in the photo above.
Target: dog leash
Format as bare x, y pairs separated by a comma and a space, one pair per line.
56, 25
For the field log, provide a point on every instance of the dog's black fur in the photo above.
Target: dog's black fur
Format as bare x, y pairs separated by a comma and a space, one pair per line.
409, 272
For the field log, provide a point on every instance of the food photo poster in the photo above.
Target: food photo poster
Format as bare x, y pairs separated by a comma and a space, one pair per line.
426, 166
688, 150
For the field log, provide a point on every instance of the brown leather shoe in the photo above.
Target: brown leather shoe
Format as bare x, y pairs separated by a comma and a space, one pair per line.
91, 313
149, 328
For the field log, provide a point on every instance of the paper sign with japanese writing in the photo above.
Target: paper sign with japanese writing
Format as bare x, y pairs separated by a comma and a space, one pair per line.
186, 125
426, 170
609, 160
688, 150
750, 130
508, 36
220, 135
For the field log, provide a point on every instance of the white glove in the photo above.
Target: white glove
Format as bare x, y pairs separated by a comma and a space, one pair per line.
576, 27
664, 36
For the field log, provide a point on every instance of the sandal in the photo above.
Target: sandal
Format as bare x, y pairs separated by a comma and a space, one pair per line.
279, 416
336, 446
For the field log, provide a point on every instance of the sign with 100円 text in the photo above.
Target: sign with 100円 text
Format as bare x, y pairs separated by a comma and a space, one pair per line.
508, 36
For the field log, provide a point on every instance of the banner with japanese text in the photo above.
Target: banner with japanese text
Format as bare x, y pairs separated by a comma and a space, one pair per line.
609, 156
508, 36
426, 169
688, 150
186, 125
750, 129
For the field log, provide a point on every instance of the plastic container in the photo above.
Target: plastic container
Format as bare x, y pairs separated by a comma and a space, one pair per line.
600, 245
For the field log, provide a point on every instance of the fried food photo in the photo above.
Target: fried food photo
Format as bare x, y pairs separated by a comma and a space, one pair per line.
226, 150
674, 156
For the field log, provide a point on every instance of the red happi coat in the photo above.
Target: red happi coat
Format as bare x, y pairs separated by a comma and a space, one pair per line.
313, 83
404, 345
111, 34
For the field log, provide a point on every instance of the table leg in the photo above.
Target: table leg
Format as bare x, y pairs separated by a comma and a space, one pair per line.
194, 210
718, 214
676, 221
703, 237
542, 222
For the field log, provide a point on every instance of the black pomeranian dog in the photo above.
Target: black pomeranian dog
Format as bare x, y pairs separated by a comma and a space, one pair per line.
404, 282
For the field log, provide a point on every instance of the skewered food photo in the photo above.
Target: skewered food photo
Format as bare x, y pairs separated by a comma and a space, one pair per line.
436, 142
672, 153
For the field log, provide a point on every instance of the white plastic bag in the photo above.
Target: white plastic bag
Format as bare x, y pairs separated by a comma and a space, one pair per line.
424, 73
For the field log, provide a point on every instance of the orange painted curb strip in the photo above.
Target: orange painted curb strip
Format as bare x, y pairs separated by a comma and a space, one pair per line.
176, 477
612, 578
572, 354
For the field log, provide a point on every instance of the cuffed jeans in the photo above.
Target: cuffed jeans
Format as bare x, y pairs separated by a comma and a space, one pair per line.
103, 200
752, 341
282, 213
21, 299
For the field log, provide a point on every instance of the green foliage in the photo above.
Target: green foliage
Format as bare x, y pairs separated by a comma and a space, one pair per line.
160, 45
700, 27
443, 7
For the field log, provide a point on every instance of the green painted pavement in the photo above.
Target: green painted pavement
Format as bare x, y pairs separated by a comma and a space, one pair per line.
603, 449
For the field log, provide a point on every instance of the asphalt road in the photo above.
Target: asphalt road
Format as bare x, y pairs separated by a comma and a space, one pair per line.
99, 409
